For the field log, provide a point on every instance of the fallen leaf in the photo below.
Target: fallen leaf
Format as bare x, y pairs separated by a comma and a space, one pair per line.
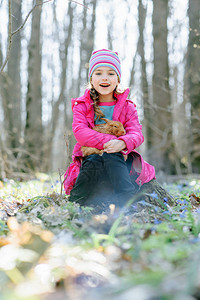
147, 233
1, 184
4, 241
195, 201
12, 223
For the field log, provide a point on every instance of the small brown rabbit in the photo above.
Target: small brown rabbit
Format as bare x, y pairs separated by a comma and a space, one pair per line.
110, 127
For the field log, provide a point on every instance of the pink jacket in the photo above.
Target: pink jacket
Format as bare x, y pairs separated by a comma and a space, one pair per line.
83, 122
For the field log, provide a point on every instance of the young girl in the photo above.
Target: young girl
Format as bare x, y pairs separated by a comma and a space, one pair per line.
120, 171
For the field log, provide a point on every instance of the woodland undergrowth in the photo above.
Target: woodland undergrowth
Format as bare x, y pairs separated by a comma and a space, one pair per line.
51, 248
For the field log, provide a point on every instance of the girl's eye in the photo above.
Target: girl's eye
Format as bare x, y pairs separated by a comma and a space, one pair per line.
111, 74
97, 73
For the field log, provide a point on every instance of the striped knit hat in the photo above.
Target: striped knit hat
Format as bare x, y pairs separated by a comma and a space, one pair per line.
104, 58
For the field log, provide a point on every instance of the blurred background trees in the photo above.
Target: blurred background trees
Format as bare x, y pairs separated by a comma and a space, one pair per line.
159, 46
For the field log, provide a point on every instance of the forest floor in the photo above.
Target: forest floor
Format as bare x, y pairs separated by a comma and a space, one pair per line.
53, 249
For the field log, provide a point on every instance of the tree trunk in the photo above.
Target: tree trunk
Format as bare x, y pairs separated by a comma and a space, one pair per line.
14, 81
63, 80
33, 128
146, 101
162, 121
10, 92
193, 80
87, 43
181, 132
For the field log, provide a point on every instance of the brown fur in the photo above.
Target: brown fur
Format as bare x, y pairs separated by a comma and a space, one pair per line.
110, 127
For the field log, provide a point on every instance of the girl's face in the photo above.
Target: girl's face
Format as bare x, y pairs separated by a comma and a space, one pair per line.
104, 81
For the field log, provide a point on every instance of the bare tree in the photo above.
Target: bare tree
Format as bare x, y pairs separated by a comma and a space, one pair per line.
14, 82
10, 94
142, 11
87, 40
192, 75
33, 127
11, 32
162, 121
64, 50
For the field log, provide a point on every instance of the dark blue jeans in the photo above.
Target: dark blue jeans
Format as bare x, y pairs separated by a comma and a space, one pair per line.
104, 176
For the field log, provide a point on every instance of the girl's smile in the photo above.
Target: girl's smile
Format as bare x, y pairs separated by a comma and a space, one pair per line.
104, 85
104, 81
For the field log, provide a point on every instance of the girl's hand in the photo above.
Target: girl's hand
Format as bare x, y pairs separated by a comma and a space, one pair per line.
114, 146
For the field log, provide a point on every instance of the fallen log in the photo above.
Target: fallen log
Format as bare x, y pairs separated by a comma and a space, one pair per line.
155, 193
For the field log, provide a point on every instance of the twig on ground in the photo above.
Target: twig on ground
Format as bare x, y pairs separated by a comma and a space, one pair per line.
61, 182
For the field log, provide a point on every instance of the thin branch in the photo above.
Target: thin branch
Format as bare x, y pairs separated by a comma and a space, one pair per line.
10, 33
85, 6
22, 25
61, 183
9, 36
